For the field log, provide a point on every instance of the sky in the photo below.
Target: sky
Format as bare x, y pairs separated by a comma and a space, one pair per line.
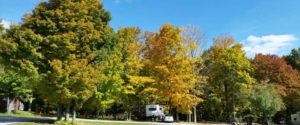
263, 26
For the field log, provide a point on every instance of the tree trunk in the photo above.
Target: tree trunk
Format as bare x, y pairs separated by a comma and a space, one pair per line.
7, 106
48, 108
74, 115
195, 114
103, 113
97, 113
10, 102
67, 115
17, 104
129, 118
226, 103
233, 106
268, 122
30, 102
187, 117
58, 113
190, 117
177, 116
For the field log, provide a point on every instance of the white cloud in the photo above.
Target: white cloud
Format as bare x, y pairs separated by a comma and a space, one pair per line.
6, 24
268, 44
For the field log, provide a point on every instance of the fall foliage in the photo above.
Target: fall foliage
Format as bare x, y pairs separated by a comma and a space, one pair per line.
168, 62
66, 55
275, 70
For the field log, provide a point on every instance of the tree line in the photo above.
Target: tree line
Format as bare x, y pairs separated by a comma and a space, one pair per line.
66, 54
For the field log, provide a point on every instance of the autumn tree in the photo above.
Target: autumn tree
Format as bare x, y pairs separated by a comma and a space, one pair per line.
293, 59
192, 39
122, 81
229, 71
129, 50
276, 71
62, 42
168, 63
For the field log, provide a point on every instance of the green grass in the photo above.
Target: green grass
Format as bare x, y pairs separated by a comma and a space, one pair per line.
82, 123
31, 123
108, 123
21, 114
30, 115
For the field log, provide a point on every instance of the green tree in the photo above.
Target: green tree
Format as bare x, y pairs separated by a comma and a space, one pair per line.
14, 82
229, 71
1, 27
56, 42
14, 87
293, 59
261, 102
108, 87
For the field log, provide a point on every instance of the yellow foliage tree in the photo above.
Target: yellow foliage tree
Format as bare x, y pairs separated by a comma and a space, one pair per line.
168, 62
129, 51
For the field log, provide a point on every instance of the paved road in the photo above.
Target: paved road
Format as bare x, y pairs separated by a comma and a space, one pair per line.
5, 120
151, 123
9, 120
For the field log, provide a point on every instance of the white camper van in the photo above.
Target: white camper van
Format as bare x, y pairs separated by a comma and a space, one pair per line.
295, 118
154, 111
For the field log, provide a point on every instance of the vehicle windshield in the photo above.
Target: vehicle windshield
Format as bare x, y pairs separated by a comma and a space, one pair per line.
152, 109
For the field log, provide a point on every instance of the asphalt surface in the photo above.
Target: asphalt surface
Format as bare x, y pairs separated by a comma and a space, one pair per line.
6, 120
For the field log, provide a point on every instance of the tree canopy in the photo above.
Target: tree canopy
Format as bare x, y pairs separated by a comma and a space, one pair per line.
229, 71
168, 63
66, 53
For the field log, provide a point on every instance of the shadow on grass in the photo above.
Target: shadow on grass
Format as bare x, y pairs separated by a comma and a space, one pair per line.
12, 119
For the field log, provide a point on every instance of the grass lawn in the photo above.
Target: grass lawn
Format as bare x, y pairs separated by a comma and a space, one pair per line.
32, 115
82, 123
109, 123
30, 123
20, 114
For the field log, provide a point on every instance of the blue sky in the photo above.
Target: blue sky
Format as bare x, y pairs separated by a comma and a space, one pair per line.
266, 26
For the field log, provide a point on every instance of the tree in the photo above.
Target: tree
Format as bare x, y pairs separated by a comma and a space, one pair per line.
14, 84
228, 72
276, 71
56, 42
192, 39
293, 59
109, 84
193, 35
15, 87
1, 27
129, 50
76, 82
169, 65
261, 102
